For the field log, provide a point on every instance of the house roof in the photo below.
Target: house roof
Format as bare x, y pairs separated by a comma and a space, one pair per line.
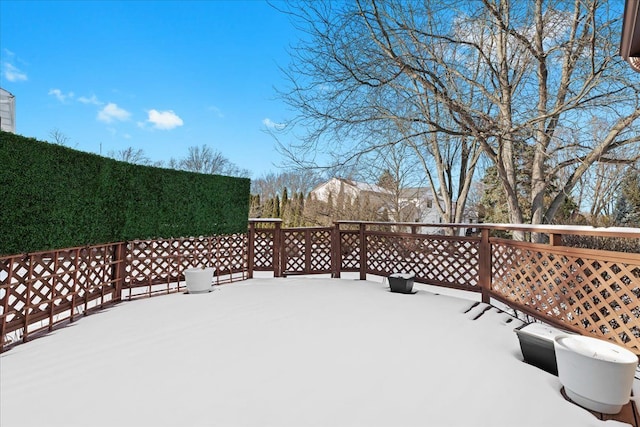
360, 186
416, 192
630, 40
405, 193
6, 93
364, 186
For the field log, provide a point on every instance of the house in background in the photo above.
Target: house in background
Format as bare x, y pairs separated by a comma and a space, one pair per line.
7, 111
418, 205
348, 188
406, 205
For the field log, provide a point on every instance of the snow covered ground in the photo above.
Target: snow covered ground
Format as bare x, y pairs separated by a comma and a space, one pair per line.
284, 352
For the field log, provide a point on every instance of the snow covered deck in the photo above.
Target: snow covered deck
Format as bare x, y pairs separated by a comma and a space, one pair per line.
285, 352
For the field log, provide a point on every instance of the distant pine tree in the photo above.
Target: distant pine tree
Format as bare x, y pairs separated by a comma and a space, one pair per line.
627, 208
276, 207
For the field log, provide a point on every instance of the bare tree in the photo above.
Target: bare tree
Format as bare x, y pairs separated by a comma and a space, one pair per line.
173, 163
348, 89
58, 137
601, 185
495, 73
131, 155
398, 171
597, 189
271, 184
206, 160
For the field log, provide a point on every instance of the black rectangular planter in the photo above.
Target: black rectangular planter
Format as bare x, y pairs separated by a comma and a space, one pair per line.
401, 282
536, 343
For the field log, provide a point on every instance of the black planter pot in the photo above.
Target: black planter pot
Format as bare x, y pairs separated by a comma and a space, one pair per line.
536, 343
401, 282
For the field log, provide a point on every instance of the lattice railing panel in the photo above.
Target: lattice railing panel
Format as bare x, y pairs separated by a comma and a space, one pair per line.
93, 280
231, 253
164, 261
349, 250
438, 260
263, 249
195, 252
294, 251
319, 249
153, 261
65, 287
307, 251
595, 291
40, 290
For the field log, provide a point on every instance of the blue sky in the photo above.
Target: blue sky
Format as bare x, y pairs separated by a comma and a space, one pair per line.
160, 76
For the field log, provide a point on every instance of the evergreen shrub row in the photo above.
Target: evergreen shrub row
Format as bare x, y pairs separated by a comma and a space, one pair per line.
54, 197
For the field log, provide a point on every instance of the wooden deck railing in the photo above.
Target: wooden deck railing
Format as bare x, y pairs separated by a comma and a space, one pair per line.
593, 292
41, 290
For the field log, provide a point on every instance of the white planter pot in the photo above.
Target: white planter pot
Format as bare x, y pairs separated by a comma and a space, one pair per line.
198, 280
596, 374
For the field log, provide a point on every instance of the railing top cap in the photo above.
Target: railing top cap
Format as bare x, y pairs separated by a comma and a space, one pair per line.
626, 232
265, 219
568, 229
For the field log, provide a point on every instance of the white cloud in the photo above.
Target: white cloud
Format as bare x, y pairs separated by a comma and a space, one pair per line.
62, 97
218, 112
12, 73
270, 124
93, 100
164, 120
112, 112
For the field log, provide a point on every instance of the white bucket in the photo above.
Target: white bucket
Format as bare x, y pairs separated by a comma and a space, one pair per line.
596, 374
199, 280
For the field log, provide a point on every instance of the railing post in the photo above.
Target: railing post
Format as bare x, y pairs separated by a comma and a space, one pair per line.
250, 249
218, 271
555, 239
308, 244
118, 268
76, 267
277, 246
54, 281
5, 304
336, 252
363, 252
283, 255
484, 265
27, 301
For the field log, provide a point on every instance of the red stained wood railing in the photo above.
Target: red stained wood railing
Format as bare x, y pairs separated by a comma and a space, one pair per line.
40, 291
593, 292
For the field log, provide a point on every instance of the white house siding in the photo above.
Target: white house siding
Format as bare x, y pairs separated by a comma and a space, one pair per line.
351, 189
7, 111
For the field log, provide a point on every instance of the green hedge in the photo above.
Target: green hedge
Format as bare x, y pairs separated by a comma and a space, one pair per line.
55, 197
